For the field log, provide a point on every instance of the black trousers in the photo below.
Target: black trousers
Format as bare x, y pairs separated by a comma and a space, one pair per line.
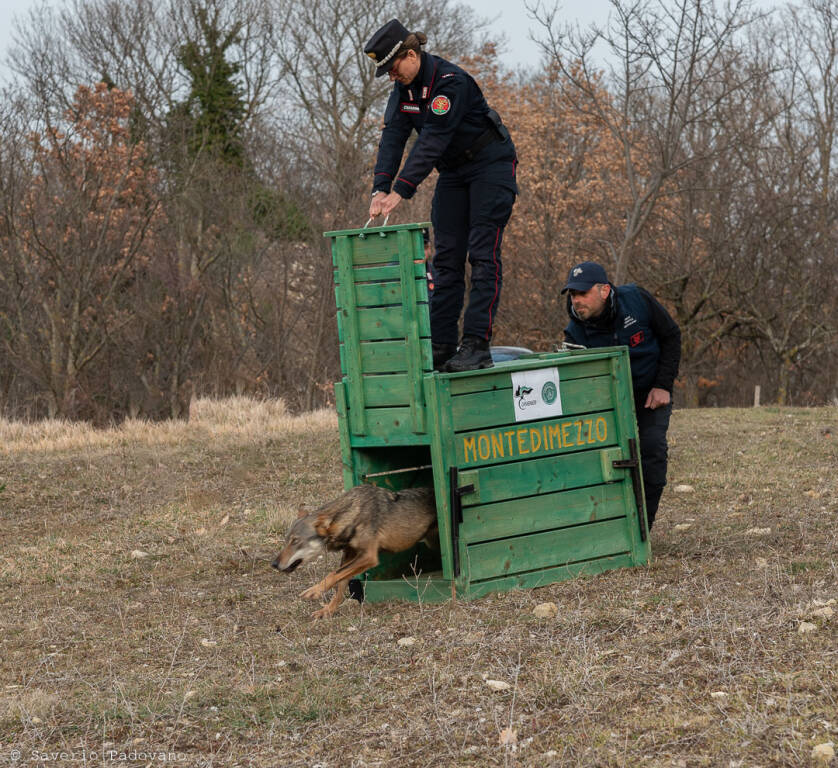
652, 426
471, 207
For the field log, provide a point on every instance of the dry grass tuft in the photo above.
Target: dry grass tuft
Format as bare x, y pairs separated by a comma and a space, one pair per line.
199, 648
242, 419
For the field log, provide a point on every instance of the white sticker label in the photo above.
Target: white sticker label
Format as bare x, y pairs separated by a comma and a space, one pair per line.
536, 394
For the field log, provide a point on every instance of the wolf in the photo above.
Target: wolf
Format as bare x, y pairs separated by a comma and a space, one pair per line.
360, 523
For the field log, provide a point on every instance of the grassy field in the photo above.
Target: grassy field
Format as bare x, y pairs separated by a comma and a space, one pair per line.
140, 620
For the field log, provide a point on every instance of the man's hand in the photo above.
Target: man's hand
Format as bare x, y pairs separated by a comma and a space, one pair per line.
656, 398
384, 205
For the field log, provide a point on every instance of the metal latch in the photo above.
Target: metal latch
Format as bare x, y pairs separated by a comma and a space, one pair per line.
633, 463
457, 494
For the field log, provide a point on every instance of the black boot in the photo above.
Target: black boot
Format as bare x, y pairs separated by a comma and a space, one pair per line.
442, 354
472, 354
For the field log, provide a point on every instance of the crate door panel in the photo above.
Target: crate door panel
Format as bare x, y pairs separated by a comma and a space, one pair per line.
541, 513
520, 554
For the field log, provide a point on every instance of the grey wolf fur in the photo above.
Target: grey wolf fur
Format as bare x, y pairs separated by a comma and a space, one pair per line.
360, 523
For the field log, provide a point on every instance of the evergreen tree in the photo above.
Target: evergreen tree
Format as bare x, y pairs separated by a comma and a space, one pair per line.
215, 108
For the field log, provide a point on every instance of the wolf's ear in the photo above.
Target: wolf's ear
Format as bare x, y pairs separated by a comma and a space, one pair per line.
321, 524
301, 513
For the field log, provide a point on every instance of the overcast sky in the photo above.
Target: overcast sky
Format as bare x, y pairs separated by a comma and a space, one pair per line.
510, 18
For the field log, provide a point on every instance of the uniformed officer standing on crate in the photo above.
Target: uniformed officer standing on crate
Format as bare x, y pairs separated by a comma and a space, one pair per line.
469, 145
604, 315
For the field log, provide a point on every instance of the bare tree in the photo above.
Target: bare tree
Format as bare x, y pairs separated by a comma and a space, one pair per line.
668, 67
73, 241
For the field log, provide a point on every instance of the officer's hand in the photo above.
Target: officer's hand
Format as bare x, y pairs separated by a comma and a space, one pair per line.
375, 205
389, 202
656, 398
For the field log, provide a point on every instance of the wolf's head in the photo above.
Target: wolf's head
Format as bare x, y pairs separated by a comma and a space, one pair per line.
301, 544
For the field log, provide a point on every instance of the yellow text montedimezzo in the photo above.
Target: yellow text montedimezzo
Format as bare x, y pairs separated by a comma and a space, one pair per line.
543, 438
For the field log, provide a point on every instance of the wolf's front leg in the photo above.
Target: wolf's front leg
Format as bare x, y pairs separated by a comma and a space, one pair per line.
314, 593
333, 604
322, 587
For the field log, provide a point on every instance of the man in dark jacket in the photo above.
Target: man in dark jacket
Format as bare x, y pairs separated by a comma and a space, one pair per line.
604, 315
466, 141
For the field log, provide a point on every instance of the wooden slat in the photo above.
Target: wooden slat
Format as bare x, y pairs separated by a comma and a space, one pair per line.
529, 440
481, 410
548, 549
547, 475
540, 513
351, 336
389, 425
384, 294
387, 390
568, 370
411, 312
343, 433
389, 356
424, 589
387, 323
533, 579
375, 249
388, 273
388, 440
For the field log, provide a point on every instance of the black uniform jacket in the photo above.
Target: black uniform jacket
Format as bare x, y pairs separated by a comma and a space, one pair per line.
634, 317
449, 112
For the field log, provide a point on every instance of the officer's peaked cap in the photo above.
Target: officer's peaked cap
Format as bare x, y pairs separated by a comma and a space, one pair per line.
585, 276
385, 44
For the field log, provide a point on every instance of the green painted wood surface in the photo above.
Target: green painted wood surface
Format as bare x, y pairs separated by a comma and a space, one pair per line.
377, 244
388, 425
433, 589
375, 231
540, 513
386, 323
526, 440
536, 476
390, 356
385, 440
413, 315
498, 377
548, 549
390, 293
480, 410
387, 390
437, 393
546, 576
351, 331
346, 453
381, 274
426, 588
627, 424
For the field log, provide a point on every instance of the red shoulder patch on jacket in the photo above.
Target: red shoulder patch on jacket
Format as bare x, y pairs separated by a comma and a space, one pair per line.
440, 105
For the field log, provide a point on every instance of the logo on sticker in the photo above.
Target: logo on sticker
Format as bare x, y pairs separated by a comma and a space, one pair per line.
521, 393
440, 105
549, 392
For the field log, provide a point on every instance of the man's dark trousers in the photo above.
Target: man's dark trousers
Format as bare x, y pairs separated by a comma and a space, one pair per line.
651, 427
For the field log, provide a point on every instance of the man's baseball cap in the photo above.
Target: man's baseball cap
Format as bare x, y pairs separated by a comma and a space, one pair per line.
385, 44
585, 276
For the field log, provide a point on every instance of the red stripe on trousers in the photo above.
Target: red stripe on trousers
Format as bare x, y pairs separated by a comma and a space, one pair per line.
495, 262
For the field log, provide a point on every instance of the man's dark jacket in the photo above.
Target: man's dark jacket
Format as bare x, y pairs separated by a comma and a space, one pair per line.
633, 317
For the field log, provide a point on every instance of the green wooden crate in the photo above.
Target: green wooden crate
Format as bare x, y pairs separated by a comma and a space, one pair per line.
384, 331
523, 498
